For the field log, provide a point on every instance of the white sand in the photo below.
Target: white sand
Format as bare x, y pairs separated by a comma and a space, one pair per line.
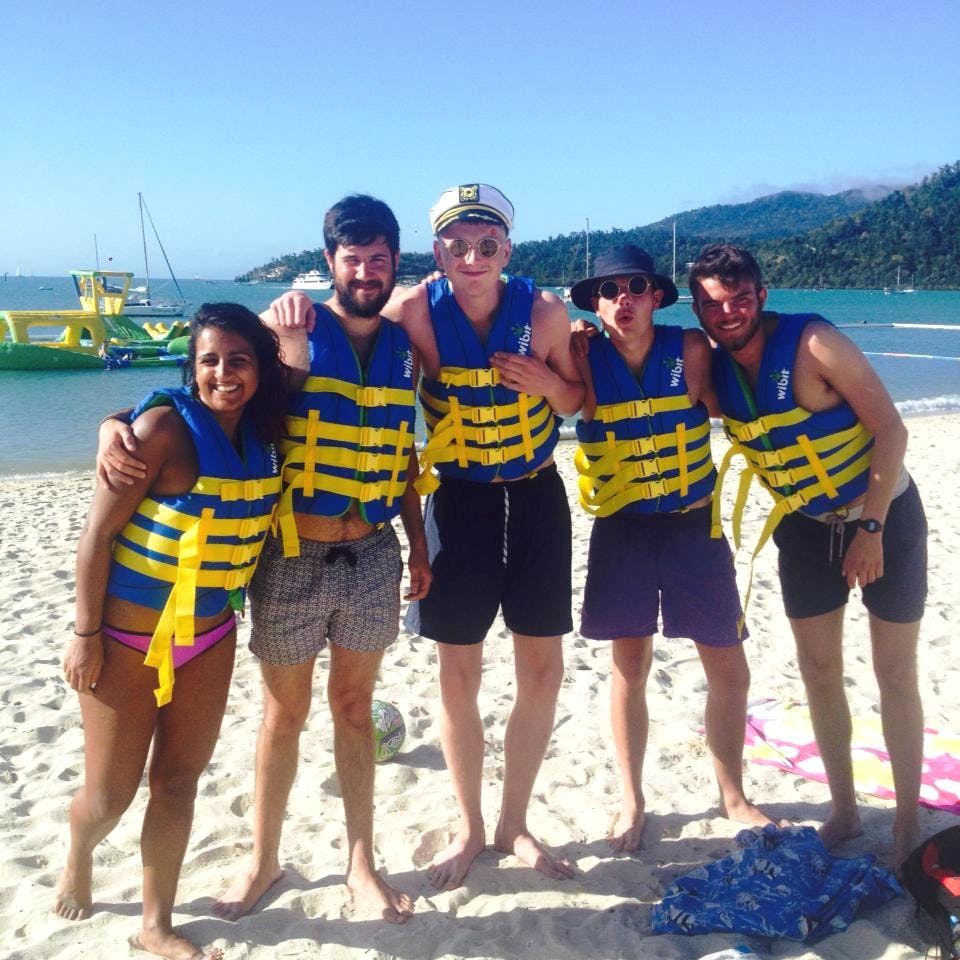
504, 911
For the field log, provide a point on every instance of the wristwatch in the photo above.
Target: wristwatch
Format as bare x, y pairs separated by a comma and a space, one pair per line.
871, 526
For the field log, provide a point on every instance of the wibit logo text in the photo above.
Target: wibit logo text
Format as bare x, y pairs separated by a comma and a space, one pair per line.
782, 380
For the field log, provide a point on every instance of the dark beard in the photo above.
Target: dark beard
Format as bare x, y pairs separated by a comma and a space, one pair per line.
745, 338
367, 308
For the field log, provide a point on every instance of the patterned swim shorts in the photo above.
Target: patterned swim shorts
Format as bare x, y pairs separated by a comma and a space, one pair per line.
347, 593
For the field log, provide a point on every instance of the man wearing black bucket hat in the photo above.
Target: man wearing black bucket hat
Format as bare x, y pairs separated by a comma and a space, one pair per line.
647, 476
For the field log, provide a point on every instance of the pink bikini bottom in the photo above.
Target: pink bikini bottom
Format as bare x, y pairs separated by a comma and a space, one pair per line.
181, 654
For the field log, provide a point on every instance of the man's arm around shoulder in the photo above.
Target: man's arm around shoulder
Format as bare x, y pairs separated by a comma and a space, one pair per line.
410, 308
551, 340
697, 359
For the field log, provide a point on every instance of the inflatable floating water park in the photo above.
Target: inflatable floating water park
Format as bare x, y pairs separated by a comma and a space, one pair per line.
97, 335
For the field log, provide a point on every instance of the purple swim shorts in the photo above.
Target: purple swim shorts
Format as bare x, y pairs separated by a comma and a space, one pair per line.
644, 565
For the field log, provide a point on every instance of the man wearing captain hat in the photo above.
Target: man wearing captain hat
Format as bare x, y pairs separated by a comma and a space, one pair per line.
647, 475
497, 372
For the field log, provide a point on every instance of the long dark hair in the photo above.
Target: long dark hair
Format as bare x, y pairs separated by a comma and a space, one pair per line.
268, 406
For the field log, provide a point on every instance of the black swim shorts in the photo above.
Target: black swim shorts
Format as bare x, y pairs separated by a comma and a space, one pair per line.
810, 566
493, 546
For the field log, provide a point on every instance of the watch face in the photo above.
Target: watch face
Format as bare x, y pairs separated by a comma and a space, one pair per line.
871, 526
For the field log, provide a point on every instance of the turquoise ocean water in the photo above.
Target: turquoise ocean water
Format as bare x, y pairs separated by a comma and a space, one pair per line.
48, 420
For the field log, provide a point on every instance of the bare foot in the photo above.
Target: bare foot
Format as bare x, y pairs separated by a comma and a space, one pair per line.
165, 943
743, 811
840, 827
626, 831
904, 841
242, 897
528, 850
374, 892
74, 899
450, 865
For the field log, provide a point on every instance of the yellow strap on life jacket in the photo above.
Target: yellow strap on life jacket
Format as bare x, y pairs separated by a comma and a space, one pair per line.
167, 516
631, 409
309, 449
823, 468
682, 458
469, 376
459, 437
785, 505
628, 485
789, 466
453, 439
177, 618
604, 457
401, 456
362, 396
303, 431
356, 456
166, 571
746, 430
236, 554
387, 489
523, 402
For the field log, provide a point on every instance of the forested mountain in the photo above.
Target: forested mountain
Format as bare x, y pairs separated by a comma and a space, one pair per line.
778, 215
847, 239
916, 229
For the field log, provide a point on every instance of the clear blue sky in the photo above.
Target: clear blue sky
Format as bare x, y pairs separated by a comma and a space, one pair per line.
241, 123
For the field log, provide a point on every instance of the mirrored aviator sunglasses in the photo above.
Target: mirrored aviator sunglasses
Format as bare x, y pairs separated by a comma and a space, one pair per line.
636, 286
486, 246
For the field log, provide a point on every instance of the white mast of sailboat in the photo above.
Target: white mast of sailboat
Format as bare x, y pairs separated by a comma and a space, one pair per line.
673, 275
166, 259
143, 240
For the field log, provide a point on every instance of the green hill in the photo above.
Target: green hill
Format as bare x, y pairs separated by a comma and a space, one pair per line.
848, 239
916, 229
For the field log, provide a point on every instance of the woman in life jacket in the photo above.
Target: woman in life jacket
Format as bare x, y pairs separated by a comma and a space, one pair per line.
162, 566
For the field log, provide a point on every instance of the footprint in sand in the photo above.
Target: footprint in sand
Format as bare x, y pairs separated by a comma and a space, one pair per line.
431, 843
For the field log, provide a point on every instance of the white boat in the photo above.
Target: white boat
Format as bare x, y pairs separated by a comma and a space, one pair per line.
311, 280
139, 306
140, 303
898, 288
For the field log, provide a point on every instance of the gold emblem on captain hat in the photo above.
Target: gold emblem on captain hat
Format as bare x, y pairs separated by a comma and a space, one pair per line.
470, 193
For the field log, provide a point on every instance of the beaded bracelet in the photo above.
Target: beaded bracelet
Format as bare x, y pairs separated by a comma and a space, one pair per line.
92, 633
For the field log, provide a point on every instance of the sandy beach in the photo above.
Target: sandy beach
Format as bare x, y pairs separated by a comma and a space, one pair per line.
504, 911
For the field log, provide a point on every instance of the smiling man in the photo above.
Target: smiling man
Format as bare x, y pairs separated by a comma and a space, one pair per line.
497, 370
813, 421
647, 475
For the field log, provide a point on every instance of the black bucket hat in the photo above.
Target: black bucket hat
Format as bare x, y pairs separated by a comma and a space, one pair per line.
621, 262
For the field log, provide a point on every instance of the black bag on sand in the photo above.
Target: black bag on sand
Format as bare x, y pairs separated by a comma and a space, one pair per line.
932, 874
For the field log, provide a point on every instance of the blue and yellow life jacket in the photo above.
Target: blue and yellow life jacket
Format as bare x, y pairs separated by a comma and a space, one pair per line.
647, 448
189, 555
349, 431
478, 429
813, 462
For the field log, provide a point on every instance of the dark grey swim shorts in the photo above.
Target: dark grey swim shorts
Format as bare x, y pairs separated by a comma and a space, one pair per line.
811, 565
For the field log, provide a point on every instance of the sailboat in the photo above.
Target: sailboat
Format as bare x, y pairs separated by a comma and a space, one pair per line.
898, 288
673, 275
140, 303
